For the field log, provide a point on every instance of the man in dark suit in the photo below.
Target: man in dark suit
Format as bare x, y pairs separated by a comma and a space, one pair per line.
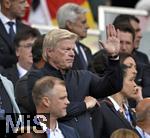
134, 22
9, 26
21, 90
82, 86
72, 17
50, 97
23, 43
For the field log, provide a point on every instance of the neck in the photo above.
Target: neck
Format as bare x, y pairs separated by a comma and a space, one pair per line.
52, 119
26, 66
52, 123
56, 67
7, 14
119, 98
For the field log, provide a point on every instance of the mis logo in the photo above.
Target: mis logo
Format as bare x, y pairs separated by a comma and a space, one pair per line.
24, 123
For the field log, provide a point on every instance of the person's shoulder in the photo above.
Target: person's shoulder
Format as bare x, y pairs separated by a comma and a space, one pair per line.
35, 72
65, 126
68, 130
140, 53
11, 70
79, 72
22, 26
84, 46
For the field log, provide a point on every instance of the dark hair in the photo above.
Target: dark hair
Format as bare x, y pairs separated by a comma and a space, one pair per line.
123, 57
125, 19
24, 35
37, 49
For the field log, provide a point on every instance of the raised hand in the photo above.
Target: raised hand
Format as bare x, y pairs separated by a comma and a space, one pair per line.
138, 93
112, 45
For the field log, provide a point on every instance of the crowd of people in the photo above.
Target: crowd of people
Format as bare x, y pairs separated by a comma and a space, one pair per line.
70, 92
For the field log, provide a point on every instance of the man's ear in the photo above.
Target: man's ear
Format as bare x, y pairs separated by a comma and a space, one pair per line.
17, 52
7, 3
69, 25
49, 52
46, 101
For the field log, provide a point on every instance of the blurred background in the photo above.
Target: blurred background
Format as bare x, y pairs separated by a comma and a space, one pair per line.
42, 14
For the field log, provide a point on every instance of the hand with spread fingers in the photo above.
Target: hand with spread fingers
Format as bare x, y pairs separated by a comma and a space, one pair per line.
112, 45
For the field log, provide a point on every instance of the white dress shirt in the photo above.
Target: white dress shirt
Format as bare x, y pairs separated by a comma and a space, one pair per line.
5, 20
21, 70
55, 133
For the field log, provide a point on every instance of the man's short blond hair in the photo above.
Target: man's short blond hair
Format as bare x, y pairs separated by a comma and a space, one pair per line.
44, 86
53, 37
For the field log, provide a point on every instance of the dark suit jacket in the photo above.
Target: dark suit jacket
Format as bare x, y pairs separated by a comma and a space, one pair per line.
7, 50
77, 62
106, 119
80, 84
22, 95
68, 132
140, 57
12, 74
143, 78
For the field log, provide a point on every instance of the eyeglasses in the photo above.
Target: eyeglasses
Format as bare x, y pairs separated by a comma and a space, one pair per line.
27, 46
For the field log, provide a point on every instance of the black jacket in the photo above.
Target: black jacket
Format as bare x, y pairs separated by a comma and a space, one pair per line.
80, 84
106, 120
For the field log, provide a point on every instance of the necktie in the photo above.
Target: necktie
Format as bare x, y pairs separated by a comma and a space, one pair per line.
80, 54
11, 31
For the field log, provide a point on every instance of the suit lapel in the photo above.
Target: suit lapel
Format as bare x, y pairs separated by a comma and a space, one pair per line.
62, 129
121, 117
4, 35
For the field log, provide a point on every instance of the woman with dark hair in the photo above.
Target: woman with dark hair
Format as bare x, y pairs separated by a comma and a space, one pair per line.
114, 111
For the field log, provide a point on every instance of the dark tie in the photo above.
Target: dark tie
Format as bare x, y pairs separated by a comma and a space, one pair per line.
80, 54
11, 31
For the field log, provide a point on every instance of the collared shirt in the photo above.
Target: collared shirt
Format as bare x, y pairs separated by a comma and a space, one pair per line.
142, 132
21, 70
5, 20
56, 133
117, 108
116, 105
